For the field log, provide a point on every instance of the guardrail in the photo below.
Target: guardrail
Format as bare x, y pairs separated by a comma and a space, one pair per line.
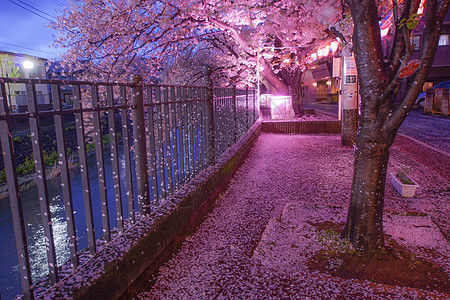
169, 134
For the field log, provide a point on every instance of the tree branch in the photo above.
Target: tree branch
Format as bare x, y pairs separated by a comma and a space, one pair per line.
434, 18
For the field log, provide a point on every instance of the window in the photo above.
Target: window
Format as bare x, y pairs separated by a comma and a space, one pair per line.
21, 98
444, 40
415, 40
40, 97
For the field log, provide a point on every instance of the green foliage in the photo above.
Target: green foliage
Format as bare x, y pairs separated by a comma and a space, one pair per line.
411, 22
402, 174
404, 178
105, 139
90, 146
8, 67
27, 167
2, 175
50, 158
70, 128
17, 139
333, 243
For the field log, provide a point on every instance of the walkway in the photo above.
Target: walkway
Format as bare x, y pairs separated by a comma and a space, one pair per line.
254, 244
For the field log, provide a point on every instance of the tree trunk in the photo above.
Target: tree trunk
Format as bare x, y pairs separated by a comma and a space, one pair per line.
297, 93
364, 226
278, 85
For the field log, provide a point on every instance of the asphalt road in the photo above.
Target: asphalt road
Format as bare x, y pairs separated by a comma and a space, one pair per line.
433, 130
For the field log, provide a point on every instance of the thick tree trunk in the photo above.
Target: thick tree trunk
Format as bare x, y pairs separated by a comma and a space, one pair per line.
364, 226
279, 86
297, 93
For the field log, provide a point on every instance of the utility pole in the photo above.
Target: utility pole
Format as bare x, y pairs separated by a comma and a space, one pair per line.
349, 100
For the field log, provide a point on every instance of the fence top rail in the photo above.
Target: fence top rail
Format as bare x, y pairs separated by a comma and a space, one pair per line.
81, 82
102, 83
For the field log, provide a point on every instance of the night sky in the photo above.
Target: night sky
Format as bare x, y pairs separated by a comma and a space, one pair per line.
23, 26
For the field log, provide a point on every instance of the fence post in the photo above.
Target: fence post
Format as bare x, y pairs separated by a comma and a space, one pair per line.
255, 107
140, 145
14, 196
207, 71
246, 107
233, 103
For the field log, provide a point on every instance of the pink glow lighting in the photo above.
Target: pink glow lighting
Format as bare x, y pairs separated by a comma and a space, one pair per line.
384, 32
320, 53
421, 5
334, 46
281, 107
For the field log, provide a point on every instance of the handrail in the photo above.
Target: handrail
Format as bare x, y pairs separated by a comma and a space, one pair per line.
176, 132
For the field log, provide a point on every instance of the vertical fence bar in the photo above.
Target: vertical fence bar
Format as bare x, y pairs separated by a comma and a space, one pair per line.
14, 198
246, 108
235, 116
202, 147
210, 115
216, 106
100, 163
159, 143
65, 178
230, 118
186, 132
199, 128
41, 182
84, 172
114, 157
152, 150
181, 130
174, 139
191, 132
168, 141
255, 106
127, 155
140, 146
203, 106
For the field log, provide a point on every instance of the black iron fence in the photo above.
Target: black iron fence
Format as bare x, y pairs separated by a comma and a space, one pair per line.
168, 135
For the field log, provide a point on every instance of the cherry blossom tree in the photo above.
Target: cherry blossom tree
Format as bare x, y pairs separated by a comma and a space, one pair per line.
380, 117
169, 40
112, 39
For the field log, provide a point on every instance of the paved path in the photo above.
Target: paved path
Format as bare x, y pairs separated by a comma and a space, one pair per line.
218, 261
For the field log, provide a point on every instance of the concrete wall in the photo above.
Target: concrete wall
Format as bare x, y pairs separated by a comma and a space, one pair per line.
307, 127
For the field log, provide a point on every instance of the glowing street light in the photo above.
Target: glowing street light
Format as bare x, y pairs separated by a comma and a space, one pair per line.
28, 65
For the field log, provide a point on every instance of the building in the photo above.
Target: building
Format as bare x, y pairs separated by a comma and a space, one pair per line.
440, 70
16, 65
322, 80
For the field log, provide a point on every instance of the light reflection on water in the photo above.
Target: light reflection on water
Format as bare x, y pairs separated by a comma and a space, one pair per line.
10, 284
37, 244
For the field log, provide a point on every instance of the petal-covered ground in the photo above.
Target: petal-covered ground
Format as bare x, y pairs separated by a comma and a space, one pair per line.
256, 242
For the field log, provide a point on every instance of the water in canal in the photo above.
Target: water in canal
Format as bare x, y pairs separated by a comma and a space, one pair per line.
10, 284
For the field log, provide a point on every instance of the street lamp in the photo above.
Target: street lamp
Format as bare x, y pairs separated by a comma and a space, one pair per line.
28, 65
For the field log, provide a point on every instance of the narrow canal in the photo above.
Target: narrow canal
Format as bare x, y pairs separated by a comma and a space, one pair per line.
10, 284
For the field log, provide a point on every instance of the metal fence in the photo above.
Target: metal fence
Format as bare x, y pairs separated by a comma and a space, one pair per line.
169, 134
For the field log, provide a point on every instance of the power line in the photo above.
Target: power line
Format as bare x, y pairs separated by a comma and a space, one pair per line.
33, 12
23, 47
35, 8
59, 3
